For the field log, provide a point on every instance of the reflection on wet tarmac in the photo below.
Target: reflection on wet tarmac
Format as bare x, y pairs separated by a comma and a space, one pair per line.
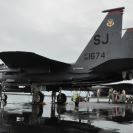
23, 117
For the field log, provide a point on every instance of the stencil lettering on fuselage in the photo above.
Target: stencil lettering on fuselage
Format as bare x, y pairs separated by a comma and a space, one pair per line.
94, 55
99, 40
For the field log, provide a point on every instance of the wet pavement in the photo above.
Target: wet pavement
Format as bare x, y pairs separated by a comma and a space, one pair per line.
19, 116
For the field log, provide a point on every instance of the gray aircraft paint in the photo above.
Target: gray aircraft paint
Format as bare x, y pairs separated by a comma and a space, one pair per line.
127, 44
102, 45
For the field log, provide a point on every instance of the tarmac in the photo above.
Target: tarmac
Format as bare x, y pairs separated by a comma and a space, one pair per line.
20, 116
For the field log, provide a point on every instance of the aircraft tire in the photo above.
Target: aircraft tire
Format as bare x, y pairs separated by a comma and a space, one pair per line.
61, 99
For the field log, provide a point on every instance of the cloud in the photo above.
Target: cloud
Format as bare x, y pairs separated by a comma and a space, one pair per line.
56, 29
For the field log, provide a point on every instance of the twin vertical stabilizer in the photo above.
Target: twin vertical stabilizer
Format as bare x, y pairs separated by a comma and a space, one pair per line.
104, 41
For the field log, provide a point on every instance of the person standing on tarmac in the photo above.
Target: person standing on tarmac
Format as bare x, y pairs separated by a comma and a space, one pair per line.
113, 96
75, 99
123, 99
98, 95
110, 94
87, 97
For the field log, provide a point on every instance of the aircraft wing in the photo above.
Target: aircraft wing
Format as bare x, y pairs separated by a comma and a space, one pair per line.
19, 59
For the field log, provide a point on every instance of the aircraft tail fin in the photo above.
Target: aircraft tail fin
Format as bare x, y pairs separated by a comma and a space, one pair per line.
127, 43
106, 38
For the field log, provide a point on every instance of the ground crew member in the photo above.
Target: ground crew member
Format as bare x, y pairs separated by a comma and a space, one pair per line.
4, 97
113, 96
98, 95
110, 94
116, 96
87, 98
4, 100
75, 99
123, 99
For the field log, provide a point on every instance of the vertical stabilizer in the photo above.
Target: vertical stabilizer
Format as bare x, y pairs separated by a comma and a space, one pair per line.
127, 44
104, 41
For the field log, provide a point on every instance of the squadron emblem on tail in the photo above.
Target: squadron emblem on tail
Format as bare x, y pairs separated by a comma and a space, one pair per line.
110, 22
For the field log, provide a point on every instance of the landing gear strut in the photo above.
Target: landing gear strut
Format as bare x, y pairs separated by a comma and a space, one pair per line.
53, 104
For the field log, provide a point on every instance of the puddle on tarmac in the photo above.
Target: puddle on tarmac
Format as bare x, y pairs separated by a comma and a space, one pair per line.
22, 117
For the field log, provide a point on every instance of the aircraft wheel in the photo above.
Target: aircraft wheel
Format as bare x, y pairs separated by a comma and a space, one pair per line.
61, 99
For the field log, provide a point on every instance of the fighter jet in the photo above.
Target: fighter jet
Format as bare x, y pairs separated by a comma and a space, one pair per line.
103, 60
94, 64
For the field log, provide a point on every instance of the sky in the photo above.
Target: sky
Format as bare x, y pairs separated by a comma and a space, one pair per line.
57, 29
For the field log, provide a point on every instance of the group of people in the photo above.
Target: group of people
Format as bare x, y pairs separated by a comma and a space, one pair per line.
114, 96
117, 96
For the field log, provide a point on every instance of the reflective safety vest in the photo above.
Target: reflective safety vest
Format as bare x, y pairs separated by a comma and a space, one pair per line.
75, 98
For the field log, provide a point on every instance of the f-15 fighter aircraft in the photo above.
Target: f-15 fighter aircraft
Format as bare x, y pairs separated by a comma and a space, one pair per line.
101, 61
